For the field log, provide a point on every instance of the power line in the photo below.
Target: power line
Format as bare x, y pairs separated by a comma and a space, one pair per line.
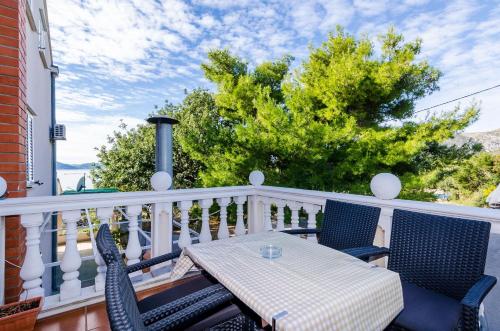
463, 97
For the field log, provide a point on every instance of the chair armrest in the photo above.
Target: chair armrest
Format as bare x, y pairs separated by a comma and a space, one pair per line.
472, 301
366, 252
159, 313
154, 261
302, 231
179, 319
478, 291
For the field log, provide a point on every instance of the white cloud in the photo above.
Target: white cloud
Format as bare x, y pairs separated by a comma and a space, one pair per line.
122, 56
83, 137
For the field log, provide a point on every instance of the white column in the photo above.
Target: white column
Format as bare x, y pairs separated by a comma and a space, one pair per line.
223, 232
385, 222
133, 250
255, 214
33, 267
161, 232
71, 260
240, 224
205, 234
268, 225
311, 211
185, 238
2, 257
104, 215
294, 207
280, 225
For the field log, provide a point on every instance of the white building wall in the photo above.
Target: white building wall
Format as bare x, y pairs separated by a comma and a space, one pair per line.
39, 100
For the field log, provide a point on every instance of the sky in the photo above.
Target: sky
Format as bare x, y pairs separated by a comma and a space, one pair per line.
120, 58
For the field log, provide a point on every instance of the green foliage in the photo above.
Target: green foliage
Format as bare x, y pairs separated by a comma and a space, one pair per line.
472, 181
324, 126
128, 161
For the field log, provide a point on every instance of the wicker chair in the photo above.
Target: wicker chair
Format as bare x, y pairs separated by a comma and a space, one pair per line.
185, 306
349, 228
441, 263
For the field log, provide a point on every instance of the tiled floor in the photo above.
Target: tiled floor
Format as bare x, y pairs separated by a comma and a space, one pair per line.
89, 318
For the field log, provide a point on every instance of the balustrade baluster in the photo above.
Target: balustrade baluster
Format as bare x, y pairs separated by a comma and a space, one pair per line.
280, 217
133, 251
205, 234
223, 232
185, 237
268, 225
104, 215
294, 207
240, 224
71, 260
311, 211
33, 267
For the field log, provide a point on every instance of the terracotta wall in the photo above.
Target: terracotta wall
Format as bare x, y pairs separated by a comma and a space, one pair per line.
13, 130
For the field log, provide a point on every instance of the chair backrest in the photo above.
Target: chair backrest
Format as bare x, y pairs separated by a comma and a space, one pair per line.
443, 254
106, 245
347, 225
123, 313
109, 252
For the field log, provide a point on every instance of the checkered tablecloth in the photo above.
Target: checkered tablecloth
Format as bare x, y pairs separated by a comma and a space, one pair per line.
319, 288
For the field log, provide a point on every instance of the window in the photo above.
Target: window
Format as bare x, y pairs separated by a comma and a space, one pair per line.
41, 34
29, 150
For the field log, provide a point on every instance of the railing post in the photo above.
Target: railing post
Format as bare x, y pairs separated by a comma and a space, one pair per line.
71, 260
133, 250
311, 211
185, 237
161, 222
385, 222
33, 267
294, 207
223, 232
104, 215
161, 232
240, 224
205, 234
280, 217
255, 208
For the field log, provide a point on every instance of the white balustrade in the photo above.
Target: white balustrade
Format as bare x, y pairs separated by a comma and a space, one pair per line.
223, 232
133, 251
294, 207
71, 260
240, 224
185, 237
257, 196
161, 220
280, 216
104, 215
268, 225
311, 211
33, 267
205, 234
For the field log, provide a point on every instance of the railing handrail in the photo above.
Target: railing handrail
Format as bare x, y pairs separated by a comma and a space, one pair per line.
32, 205
319, 198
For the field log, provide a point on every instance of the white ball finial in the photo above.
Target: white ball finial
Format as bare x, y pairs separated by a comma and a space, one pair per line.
3, 187
256, 178
161, 181
385, 186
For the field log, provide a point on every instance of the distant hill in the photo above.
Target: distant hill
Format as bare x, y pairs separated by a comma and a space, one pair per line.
490, 140
65, 166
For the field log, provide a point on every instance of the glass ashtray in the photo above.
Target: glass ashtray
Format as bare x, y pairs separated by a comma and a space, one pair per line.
270, 251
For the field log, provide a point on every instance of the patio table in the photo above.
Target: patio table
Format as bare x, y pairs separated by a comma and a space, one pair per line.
319, 288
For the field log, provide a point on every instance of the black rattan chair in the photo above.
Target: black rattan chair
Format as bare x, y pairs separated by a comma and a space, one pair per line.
349, 228
199, 303
441, 263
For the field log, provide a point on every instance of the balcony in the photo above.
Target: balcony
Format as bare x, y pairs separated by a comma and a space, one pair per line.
149, 224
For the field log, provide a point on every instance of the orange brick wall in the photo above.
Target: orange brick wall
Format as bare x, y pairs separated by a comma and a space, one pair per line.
13, 130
